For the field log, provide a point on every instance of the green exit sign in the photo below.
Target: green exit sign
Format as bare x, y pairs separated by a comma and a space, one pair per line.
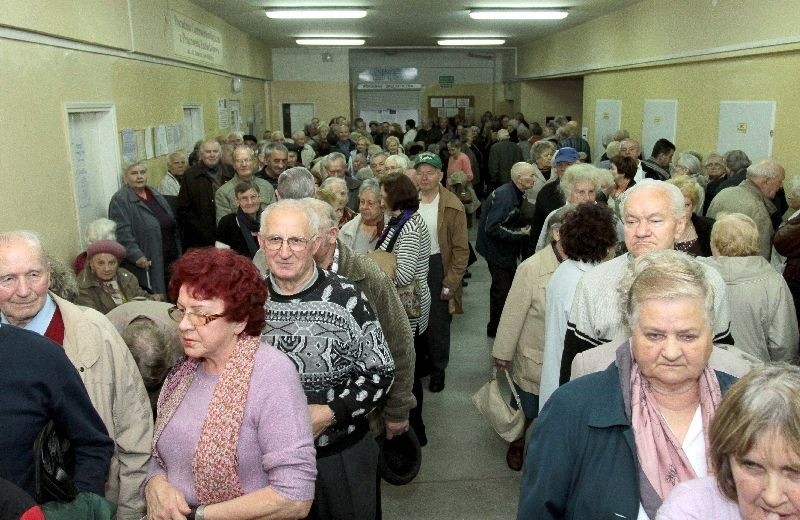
446, 81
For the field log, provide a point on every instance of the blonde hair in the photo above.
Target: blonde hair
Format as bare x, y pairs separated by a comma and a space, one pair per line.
735, 234
689, 188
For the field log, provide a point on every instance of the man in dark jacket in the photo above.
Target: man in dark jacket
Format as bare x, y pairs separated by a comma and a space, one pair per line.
500, 237
502, 156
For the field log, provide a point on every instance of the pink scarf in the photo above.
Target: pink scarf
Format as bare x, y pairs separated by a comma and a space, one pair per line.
661, 457
214, 465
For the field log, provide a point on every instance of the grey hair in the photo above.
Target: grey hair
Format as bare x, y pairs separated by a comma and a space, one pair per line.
736, 160
690, 162
399, 161
578, 173
734, 234
523, 133
300, 205
333, 180
521, 168
664, 275
100, 229
128, 164
31, 237
382, 153
296, 183
555, 221
151, 350
767, 168
326, 213
672, 191
539, 147
266, 149
62, 280
243, 147
371, 185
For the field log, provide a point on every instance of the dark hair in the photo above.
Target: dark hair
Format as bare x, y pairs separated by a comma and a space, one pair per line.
587, 232
222, 273
536, 128
415, 149
411, 123
249, 137
662, 146
400, 192
625, 165
244, 186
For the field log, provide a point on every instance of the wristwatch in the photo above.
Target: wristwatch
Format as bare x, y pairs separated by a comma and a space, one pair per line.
197, 513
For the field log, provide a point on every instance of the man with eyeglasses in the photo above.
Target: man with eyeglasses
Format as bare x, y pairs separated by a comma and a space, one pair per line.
328, 329
244, 166
95, 348
716, 172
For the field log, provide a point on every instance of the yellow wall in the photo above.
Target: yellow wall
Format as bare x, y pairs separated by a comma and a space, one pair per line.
40, 78
551, 97
330, 98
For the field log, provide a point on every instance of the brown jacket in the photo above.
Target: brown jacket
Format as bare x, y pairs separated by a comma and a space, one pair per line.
452, 236
92, 295
787, 243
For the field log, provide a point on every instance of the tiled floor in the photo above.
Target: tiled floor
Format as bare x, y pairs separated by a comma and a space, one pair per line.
464, 474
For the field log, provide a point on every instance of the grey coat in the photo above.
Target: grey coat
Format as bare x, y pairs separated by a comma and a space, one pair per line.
138, 230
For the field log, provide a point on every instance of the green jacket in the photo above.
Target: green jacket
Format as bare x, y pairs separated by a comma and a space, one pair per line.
581, 461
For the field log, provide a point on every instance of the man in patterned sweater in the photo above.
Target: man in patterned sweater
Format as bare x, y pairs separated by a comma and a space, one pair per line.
328, 329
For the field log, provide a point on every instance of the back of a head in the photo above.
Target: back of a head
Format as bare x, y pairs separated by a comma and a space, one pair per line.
736, 160
296, 183
325, 212
588, 232
151, 349
734, 234
100, 229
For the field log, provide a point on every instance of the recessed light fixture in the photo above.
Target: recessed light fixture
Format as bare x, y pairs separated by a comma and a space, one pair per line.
321, 13
347, 42
471, 41
516, 14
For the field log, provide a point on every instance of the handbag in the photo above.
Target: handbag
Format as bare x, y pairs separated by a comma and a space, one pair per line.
52, 467
387, 262
490, 402
409, 297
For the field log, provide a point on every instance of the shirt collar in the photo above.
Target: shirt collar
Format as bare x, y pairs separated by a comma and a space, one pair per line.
42, 320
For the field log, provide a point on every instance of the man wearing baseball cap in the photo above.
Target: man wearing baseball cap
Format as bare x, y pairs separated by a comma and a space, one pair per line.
550, 197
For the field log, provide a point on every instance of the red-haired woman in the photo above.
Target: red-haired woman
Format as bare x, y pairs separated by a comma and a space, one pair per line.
233, 435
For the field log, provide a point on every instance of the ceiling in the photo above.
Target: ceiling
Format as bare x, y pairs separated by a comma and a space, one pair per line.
406, 23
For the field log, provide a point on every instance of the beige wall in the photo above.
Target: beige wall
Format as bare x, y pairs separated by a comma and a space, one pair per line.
41, 77
551, 97
330, 98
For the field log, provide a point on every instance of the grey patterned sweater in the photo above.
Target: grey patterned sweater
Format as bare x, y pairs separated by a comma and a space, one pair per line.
331, 334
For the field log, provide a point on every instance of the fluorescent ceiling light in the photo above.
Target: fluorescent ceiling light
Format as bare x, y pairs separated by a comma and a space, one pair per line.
306, 14
330, 41
472, 41
517, 14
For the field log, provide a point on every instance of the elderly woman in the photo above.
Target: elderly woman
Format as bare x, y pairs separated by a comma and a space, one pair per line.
239, 230
696, 235
588, 237
458, 161
613, 444
519, 342
233, 435
361, 234
105, 285
407, 236
100, 229
333, 190
623, 169
687, 164
763, 318
755, 452
392, 145
146, 227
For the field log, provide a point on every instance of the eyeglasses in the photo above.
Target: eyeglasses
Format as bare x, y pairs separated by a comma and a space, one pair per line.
296, 244
195, 318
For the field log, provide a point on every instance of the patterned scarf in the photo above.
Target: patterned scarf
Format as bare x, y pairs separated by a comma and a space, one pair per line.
214, 465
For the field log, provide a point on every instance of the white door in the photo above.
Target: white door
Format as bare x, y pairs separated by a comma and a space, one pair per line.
95, 160
295, 116
607, 120
192, 125
747, 126
660, 122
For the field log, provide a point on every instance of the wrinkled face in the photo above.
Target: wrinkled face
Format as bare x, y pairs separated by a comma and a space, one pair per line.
769, 187
526, 181
104, 266
300, 139
210, 153
545, 160
243, 163
428, 178
136, 177
276, 162
336, 168
235, 139
213, 338
392, 146
177, 165
249, 201
671, 341
24, 280
286, 264
649, 222
362, 145
715, 168
376, 164
582, 191
629, 150
369, 206
767, 480
344, 133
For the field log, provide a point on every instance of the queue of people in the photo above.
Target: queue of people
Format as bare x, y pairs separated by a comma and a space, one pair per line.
262, 326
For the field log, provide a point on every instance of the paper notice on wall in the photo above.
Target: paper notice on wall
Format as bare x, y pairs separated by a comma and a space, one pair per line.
148, 142
128, 144
449, 102
462, 102
450, 112
436, 102
140, 144
223, 116
160, 138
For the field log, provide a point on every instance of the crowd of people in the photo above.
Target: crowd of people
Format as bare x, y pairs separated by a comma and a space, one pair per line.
239, 336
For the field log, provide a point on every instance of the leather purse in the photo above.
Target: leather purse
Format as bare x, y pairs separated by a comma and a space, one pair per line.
490, 402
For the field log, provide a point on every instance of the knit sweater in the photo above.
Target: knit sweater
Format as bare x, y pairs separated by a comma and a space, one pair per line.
331, 334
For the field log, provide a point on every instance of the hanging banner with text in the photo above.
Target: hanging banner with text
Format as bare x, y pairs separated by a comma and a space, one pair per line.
195, 41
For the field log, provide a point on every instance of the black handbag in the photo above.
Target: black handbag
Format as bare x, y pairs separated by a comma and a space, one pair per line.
54, 464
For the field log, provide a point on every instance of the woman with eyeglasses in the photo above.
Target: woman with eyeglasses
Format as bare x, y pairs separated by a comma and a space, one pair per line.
233, 435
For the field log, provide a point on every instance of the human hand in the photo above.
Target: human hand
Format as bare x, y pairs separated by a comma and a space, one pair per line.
395, 428
143, 263
501, 364
164, 501
321, 418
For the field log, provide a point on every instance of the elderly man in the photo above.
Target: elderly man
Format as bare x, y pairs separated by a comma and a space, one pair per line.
657, 166
376, 163
344, 144
170, 185
244, 165
196, 209
307, 153
501, 237
716, 172
630, 147
327, 328
446, 221
550, 196
273, 158
575, 140
653, 218
753, 198
96, 349
295, 183
502, 156
736, 164
335, 165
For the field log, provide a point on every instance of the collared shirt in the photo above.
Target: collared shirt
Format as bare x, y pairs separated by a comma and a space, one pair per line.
42, 320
